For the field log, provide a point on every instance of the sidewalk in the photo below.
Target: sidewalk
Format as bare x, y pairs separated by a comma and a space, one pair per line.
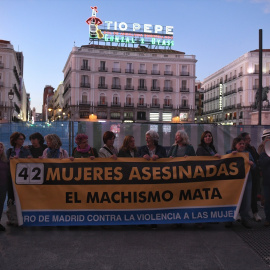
129, 247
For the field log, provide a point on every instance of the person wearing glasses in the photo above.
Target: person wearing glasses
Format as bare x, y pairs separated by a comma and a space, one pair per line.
83, 149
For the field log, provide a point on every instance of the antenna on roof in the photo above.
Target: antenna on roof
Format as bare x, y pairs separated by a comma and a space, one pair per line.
74, 43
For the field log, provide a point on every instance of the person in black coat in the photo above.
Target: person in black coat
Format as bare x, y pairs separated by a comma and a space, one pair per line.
152, 150
206, 147
128, 149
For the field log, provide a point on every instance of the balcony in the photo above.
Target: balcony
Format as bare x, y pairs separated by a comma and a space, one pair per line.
85, 103
238, 106
1, 84
130, 105
129, 70
116, 86
1, 65
116, 104
155, 72
167, 106
170, 73
184, 73
229, 92
85, 68
142, 88
255, 87
141, 105
17, 108
129, 87
103, 86
167, 89
156, 89
183, 107
142, 71
240, 89
240, 74
85, 85
230, 107
102, 69
155, 105
256, 71
116, 70
102, 103
234, 77
17, 93
184, 89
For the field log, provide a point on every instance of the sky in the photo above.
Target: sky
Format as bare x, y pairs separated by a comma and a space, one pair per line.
216, 31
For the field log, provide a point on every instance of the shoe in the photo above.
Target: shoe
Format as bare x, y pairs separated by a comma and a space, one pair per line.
238, 218
266, 223
2, 228
246, 224
228, 224
257, 217
153, 226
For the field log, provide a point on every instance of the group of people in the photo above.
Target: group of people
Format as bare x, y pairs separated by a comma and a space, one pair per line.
259, 161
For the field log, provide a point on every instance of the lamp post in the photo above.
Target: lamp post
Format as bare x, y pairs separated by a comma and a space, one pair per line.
11, 96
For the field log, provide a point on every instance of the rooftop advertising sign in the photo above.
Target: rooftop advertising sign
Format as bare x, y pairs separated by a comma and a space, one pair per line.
125, 34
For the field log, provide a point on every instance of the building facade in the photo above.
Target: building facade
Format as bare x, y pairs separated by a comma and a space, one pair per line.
14, 101
230, 93
48, 103
129, 84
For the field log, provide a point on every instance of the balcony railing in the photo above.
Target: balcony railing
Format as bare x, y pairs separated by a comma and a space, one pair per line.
184, 89
155, 72
85, 85
142, 88
1, 84
129, 70
142, 71
129, 104
116, 104
167, 106
102, 86
229, 92
103, 69
167, 89
17, 93
184, 107
184, 73
142, 105
17, 108
102, 103
240, 74
116, 70
168, 73
85, 68
129, 87
116, 86
240, 89
1, 65
155, 105
85, 103
155, 89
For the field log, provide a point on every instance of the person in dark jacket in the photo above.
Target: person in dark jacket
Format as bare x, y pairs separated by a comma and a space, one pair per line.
38, 146
181, 147
255, 176
152, 150
206, 147
128, 149
83, 149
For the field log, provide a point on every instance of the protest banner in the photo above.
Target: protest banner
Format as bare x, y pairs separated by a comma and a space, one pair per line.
103, 191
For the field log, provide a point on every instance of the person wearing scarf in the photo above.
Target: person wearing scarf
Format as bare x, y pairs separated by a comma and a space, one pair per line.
83, 149
54, 149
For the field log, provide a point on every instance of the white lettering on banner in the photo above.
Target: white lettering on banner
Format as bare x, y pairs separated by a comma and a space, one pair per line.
222, 214
97, 218
30, 173
67, 218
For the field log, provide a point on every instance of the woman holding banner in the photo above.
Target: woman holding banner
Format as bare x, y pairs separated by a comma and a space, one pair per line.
181, 147
206, 147
128, 149
108, 150
54, 149
152, 150
4, 179
238, 145
83, 149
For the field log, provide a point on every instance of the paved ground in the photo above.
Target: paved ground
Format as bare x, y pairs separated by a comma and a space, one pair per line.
128, 247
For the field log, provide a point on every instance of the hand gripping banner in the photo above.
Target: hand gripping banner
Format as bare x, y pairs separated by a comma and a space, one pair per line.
103, 191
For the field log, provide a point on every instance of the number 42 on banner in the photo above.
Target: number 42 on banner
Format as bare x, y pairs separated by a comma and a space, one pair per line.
29, 174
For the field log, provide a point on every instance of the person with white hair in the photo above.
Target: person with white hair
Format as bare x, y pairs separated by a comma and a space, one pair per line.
152, 150
181, 147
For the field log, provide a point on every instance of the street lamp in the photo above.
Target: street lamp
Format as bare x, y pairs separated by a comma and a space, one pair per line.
11, 96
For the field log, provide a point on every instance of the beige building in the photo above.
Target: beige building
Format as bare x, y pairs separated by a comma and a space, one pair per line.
14, 101
230, 93
129, 84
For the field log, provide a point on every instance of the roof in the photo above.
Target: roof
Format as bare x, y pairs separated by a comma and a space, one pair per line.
138, 49
4, 41
264, 50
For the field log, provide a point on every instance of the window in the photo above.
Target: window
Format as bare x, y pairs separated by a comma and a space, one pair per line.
155, 100
167, 84
155, 84
167, 101
129, 68
116, 67
128, 100
168, 68
184, 85
142, 83
166, 117
85, 65
102, 80
184, 71
115, 82
141, 100
102, 99
141, 115
102, 65
154, 117
129, 82
84, 98
184, 102
115, 99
